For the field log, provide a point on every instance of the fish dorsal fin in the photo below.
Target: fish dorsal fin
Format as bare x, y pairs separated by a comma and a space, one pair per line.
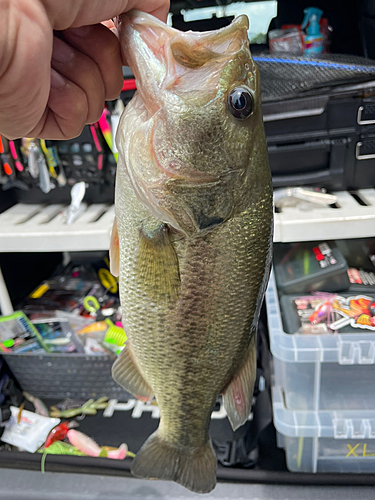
114, 251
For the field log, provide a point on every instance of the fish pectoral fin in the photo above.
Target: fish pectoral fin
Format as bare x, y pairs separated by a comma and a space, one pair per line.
126, 374
194, 468
238, 395
114, 251
157, 263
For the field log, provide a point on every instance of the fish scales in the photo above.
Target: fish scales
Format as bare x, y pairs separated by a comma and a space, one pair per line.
193, 240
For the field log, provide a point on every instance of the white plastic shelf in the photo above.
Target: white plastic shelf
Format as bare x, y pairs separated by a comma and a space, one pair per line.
42, 228
349, 220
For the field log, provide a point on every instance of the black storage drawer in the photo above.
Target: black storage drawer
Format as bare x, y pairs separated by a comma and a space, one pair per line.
322, 162
311, 155
366, 112
343, 113
295, 116
364, 173
322, 141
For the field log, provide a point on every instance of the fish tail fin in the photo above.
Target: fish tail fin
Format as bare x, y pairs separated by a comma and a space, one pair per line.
194, 468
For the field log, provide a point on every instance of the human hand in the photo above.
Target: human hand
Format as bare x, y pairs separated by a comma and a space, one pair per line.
51, 86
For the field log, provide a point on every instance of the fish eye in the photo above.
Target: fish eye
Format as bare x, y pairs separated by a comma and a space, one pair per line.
241, 103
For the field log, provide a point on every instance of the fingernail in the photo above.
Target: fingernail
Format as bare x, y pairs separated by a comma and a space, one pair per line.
62, 52
57, 81
82, 31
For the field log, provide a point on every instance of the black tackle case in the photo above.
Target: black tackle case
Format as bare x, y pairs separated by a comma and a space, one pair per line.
319, 117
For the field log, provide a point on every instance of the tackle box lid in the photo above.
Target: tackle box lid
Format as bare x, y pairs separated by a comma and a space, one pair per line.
284, 77
308, 266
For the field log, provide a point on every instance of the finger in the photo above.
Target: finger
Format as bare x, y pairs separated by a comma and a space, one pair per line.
158, 9
101, 45
25, 56
81, 70
75, 13
66, 111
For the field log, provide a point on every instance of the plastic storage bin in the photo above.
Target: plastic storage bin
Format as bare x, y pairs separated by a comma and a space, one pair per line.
60, 376
309, 266
321, 372
325, 441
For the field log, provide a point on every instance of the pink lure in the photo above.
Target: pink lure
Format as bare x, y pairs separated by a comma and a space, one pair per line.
118, 454
84, 443
92, 449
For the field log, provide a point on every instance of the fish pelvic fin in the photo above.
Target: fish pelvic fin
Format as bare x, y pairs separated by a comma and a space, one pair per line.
238, 395
126, 373
194, 468
114, 251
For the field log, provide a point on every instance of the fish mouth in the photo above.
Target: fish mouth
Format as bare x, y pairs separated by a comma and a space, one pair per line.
157, 34
163, 58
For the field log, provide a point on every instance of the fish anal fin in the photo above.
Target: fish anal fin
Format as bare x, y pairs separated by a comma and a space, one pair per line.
238, 395
126, 373
157, 264
194, 468
114, 251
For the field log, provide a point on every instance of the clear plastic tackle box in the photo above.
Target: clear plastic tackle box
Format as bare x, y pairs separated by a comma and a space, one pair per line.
325, 441
321, 372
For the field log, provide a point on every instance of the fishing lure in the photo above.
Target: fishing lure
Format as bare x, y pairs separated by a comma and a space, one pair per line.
39, 406
89, 408
324, 310
59, 433
69, 403
89, 447
321, 313
60, 448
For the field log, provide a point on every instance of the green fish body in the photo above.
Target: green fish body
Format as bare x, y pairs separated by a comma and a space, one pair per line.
192, 238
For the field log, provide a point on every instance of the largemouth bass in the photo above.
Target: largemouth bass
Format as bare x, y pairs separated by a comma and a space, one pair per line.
192, 237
